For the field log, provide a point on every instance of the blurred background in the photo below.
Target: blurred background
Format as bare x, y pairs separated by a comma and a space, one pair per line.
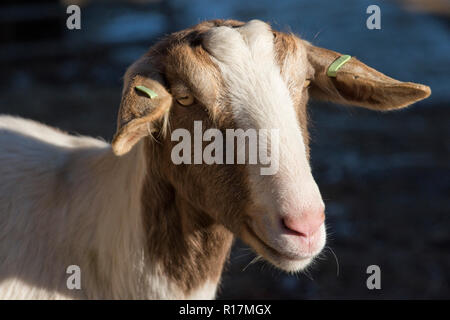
385, 178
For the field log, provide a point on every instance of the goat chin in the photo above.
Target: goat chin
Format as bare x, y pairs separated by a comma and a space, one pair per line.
288, 252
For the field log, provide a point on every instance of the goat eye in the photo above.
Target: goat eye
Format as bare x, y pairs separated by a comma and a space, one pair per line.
186, 101
306, 83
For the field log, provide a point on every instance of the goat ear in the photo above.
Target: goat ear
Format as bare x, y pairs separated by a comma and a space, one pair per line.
357, 84
145, 102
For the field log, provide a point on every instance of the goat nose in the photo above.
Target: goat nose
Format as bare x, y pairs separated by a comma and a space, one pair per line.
305, 225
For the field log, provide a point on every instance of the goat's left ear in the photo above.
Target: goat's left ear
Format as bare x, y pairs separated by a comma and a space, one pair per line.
357, 84
145, 102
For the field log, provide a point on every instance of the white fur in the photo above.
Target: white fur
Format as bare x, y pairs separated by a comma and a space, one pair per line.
205, 292
68, 200
260, 99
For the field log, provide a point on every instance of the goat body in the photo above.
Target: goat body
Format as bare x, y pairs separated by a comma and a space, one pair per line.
68, 200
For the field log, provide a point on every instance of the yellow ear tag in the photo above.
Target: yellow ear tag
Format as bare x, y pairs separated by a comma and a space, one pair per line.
339, 62
149, 92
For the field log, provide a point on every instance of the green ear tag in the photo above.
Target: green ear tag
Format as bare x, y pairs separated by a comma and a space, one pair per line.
149, 92
339, 62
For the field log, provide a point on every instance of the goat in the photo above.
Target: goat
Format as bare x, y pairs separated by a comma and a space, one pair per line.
140, 226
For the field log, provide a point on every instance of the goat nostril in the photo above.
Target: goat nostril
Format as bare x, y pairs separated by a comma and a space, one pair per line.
298, 233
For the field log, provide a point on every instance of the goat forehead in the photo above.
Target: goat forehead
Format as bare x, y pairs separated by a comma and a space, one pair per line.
258, 94
235, 46
255, 88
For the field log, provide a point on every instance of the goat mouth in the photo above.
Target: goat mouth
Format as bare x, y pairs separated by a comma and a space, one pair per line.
271, 250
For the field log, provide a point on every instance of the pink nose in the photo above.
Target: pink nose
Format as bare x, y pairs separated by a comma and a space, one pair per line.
305, 225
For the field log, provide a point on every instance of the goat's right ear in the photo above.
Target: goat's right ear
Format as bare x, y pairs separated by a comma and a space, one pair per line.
145, 103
